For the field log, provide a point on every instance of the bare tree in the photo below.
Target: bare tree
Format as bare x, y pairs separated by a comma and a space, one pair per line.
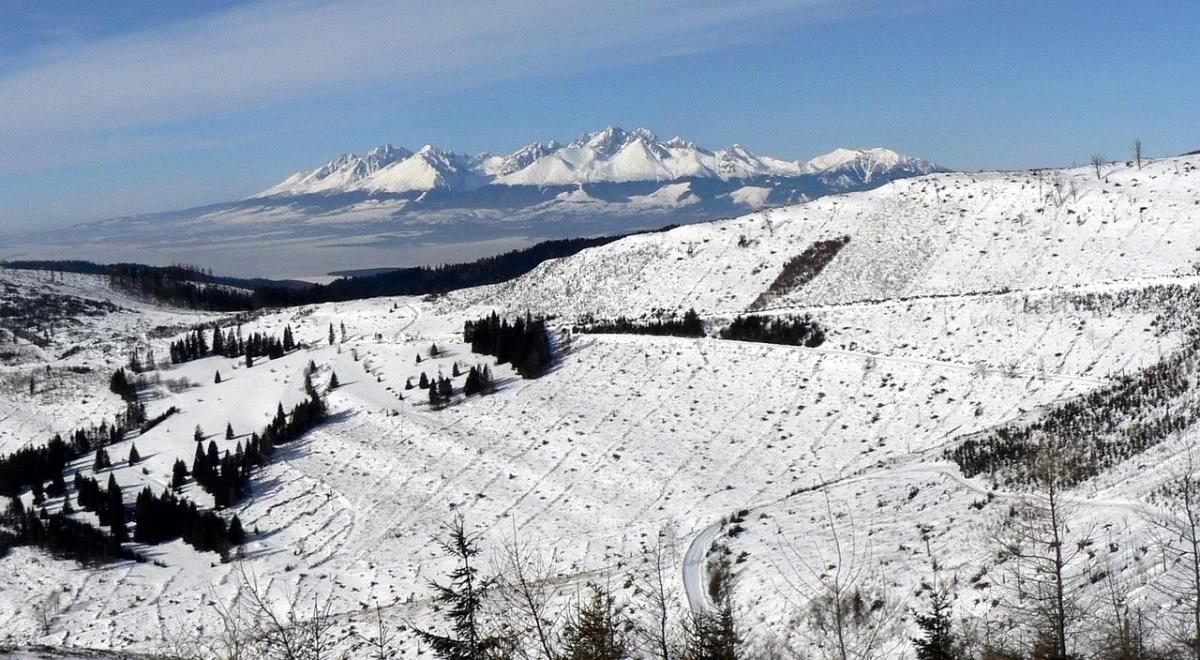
1137, 152
660, 598
1177, 535
46, 609
524, 590
1097, 162
381, 640
1123, 625
1050, 564
850, 615
252, 625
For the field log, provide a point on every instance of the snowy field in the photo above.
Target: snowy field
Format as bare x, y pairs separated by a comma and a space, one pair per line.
947, 314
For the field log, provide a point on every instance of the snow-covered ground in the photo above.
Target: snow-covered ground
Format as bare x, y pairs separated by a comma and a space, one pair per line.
949, 311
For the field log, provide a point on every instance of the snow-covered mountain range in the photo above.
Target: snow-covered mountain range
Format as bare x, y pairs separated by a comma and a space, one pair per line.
612, 155
395, 207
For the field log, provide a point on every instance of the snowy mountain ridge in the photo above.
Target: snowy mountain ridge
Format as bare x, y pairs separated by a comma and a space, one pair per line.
396, 207
610, 155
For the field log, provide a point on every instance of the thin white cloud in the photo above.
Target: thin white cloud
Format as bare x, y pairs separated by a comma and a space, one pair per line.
276, 52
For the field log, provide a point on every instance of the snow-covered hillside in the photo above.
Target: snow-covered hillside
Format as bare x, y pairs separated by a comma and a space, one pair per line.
959, 303
942, 234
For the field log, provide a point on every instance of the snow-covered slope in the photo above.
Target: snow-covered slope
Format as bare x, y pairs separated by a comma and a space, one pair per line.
960, 302
942, 234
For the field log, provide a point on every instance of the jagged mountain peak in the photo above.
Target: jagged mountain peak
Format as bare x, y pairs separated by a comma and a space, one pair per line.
868, 164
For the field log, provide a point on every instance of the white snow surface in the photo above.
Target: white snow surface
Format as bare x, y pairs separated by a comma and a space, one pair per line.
943, 319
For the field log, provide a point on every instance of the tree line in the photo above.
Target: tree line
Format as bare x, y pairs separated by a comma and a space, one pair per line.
789, 330
196, 345
689, 325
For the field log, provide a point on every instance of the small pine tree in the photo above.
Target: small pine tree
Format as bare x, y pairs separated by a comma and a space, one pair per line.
423, 381
217, 378
249, 360
597, 630
116, 511
937, 640
462, 602
229, 431
433, 350
101, 461
198, 434
332, 338
333, 381
237, 535
179, 474
134, 456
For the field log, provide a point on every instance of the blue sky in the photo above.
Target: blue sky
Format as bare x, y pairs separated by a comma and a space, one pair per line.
138, 106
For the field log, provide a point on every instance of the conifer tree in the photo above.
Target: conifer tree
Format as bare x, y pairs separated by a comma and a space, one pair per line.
134, 456
423, 381
597, 630
200, 467
937, 640
217, 378
213, 456
462, 602
229, 431
237, 535
433, 350
332, 338
198, 434
101, 461
249, 360
116, 511
179, 473
333, 381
